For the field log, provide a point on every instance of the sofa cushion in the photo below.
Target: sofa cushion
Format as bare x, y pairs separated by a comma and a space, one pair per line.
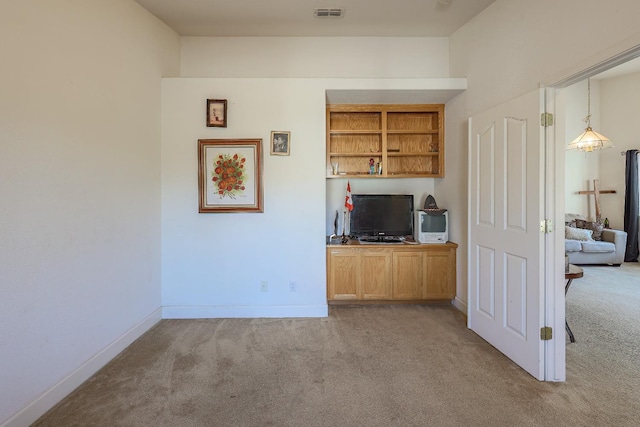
594, 246
577, 233
572, 245
570, 219
596, 227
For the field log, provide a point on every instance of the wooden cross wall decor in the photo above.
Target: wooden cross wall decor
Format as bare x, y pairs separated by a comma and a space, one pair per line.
596, 194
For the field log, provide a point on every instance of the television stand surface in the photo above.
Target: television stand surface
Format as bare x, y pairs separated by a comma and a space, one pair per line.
381, 239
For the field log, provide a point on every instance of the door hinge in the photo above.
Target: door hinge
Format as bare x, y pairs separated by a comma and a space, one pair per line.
546, 119
546, 333
546, 226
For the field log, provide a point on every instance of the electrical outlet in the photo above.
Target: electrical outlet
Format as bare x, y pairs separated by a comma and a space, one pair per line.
264, 286
292, 286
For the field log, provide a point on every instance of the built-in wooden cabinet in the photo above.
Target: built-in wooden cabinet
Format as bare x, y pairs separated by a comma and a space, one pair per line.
375, 274
408, 275
360, 275
402, 141
344, 276
391, 272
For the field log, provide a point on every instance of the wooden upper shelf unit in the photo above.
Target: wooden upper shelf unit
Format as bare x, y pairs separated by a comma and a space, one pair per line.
404, 140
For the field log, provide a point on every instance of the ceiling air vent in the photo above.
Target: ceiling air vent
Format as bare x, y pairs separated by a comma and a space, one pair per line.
329, 13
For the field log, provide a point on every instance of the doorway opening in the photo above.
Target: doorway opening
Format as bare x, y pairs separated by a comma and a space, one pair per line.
568, 168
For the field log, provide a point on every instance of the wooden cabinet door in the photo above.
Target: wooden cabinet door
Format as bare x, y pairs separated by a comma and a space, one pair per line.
375, 275
408, 275
440, 275
343, 277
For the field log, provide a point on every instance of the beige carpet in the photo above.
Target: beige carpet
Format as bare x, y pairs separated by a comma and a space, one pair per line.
366, 366
603, 310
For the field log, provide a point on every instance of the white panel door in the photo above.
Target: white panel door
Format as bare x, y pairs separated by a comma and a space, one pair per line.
506, 247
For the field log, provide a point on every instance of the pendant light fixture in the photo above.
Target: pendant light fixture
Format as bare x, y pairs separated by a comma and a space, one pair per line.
589, 140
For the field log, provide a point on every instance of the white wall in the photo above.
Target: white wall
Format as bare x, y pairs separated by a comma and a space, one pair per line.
514, 45
620, 109
80, 199
508, 50
358, 57
212, 264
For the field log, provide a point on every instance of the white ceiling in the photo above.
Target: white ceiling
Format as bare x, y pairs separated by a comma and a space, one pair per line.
362, 18
295, 18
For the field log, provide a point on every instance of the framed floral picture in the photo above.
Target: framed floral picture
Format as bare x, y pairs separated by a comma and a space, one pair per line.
280, 143
217, 113
230, 175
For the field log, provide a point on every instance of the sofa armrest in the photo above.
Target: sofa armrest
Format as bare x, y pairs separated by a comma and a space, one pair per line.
618, 238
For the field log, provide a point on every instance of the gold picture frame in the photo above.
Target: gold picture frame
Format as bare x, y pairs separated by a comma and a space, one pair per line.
280, 143
230, 175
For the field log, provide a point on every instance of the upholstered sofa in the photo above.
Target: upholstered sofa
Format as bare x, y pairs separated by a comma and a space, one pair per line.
608, 246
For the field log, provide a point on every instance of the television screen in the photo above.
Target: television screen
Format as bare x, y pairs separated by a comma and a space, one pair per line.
381, 215
433, 224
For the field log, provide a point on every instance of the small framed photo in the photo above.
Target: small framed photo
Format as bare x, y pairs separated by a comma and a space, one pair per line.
280, 143
217, 113
230, 175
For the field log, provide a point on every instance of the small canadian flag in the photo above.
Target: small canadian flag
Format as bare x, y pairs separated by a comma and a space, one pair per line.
348, 203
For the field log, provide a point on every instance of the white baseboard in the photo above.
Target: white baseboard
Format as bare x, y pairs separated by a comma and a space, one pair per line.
47, 400
221, 311
460, 305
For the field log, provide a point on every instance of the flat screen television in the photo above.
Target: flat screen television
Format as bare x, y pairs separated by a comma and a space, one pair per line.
381, 216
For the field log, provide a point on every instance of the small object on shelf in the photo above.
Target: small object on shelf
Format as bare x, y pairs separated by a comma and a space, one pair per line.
334, 168
344, 240
606, 223
431, 207
372, 166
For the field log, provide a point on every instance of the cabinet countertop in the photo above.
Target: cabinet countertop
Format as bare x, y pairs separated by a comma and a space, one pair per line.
337, 242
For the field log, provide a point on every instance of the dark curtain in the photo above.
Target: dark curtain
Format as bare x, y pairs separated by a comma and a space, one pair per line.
631, 206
